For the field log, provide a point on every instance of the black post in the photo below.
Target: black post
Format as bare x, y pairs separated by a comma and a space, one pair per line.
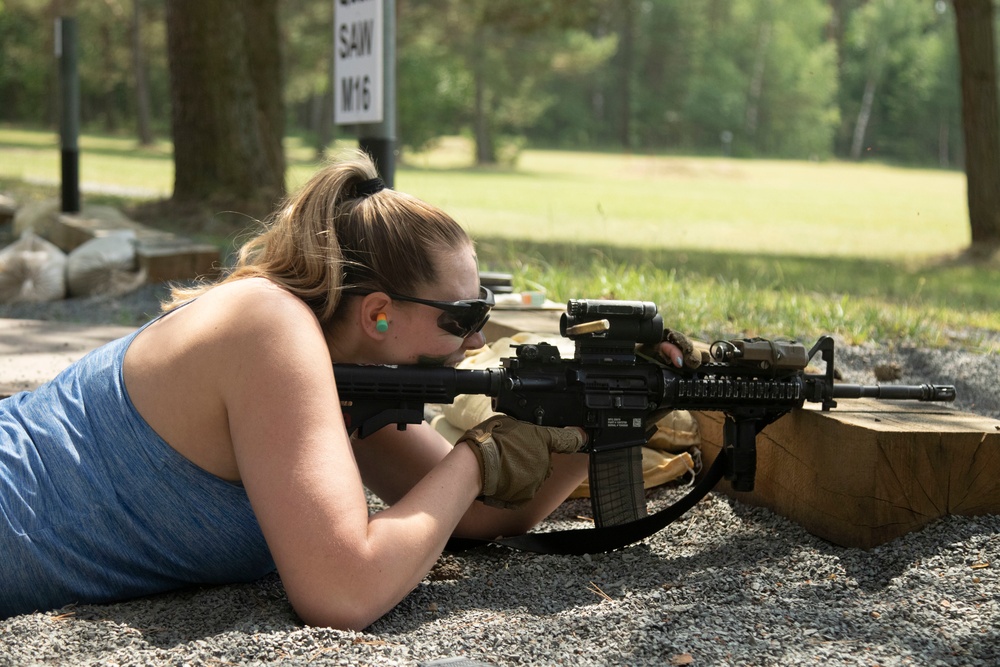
382, 151
69, 112
379, 139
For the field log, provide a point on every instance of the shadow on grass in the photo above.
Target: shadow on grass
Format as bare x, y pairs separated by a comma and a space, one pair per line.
130, 151
953, 281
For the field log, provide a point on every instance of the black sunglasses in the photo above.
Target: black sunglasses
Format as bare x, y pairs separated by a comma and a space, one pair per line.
459, 318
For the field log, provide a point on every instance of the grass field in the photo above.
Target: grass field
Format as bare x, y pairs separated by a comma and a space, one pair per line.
866, 251
773, 207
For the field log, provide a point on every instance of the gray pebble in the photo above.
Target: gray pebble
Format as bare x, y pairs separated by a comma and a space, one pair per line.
726, 585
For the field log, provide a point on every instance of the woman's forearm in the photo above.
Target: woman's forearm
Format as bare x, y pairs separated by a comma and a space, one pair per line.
400, 546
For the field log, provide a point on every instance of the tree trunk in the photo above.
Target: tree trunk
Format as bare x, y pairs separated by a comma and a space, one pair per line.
109, 107
142, 105
867, 101
626, 67
757, 78
324, 128
262, 43
944, 148
227, 109
485, 148
980, 120
864, 114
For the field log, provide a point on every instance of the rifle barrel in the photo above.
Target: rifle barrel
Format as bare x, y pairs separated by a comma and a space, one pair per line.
899, 392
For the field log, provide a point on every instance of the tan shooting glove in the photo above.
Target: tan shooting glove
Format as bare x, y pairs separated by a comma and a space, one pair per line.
515, 457
695, 353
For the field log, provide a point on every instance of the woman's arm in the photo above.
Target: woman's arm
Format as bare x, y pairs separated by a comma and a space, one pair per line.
392, 461
339, 566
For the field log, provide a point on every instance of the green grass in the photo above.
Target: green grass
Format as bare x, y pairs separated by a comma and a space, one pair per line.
773, 207
779, 248
712, 293
33, 156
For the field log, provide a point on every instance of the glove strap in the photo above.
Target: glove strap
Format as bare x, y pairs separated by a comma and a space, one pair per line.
487, 454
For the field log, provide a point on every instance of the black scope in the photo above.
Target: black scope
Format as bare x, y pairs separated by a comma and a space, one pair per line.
634, 321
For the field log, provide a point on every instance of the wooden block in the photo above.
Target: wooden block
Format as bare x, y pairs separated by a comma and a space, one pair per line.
870, 471
163, 256
177, 259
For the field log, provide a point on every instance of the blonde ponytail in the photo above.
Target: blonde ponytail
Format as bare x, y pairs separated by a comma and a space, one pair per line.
329, 236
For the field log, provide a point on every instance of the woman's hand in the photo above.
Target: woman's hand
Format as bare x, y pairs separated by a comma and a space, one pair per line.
515, 457
678, 349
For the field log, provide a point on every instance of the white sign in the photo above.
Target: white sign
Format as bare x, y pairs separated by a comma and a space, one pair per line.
357, 35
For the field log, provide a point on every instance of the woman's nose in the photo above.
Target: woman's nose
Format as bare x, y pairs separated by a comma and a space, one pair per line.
474, 341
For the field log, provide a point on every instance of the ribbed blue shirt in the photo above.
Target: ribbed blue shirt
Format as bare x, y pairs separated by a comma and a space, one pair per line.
96, 507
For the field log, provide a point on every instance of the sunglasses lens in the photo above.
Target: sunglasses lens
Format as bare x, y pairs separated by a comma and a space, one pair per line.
466, 321
459, 318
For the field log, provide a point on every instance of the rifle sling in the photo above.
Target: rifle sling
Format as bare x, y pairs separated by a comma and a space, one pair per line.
607, 538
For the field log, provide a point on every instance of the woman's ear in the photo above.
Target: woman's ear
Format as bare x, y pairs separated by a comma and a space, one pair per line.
376, 315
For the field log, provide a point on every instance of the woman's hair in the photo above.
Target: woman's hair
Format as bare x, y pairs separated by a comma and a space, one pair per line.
329, 236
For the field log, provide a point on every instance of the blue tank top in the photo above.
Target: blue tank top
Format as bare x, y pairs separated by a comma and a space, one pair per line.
96, 507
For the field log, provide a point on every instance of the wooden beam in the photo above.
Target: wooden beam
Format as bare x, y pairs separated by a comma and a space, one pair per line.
162, 255
870, 471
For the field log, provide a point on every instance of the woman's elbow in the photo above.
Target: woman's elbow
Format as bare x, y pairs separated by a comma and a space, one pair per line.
354, 614
350, 596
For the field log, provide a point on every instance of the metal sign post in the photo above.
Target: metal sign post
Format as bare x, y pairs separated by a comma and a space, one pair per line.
69, 113
365, 76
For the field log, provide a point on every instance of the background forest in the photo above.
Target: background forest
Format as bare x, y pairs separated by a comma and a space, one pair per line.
814, 79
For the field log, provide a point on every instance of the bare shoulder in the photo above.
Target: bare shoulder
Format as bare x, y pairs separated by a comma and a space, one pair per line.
232, 325
252, 311
257, 302
221, 357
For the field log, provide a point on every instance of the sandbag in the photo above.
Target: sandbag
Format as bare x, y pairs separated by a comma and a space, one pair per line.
32, 269
103, 266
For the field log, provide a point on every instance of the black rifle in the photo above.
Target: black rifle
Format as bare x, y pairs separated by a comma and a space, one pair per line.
615, 393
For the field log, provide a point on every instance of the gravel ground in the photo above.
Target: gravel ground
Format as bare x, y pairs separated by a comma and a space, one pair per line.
727, 585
